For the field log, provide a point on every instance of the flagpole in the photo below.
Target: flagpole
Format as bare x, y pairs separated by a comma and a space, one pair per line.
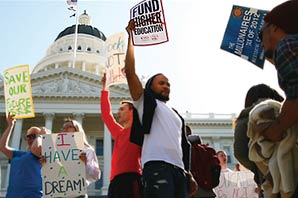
75, 38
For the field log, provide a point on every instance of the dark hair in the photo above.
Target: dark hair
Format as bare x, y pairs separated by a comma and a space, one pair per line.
259, 91
284, 16
129, 103
188, 130
193, 139
150, 80
221, 151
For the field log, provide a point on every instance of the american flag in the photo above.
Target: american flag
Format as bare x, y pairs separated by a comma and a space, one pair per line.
71, 8
72, 2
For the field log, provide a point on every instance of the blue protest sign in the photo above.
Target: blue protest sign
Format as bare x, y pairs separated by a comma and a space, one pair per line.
241, 35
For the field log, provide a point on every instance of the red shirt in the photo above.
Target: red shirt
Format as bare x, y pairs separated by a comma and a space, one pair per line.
126, 156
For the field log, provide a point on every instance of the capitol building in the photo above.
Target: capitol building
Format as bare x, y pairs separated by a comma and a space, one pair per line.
61, 89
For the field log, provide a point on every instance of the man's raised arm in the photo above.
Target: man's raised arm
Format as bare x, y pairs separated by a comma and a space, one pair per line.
134, 83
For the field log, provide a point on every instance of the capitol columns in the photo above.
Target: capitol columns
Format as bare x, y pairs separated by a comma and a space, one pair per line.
216, 142
107, 153
17, 134
49, 120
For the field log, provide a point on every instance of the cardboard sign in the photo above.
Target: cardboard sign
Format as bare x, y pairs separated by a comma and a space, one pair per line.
238, 184
18, 92
150, 22
115, 52
242, 34
63, 174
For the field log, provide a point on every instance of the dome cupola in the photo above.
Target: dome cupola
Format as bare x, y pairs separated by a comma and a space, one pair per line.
90, 49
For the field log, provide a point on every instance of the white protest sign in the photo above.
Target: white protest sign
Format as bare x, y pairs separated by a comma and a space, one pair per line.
63, 174
115, 51
18, 92
150, 22
237, 184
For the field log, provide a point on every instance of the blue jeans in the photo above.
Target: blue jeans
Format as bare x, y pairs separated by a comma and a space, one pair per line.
164, 180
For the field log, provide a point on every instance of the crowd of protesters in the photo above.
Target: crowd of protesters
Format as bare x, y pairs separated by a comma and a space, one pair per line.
151, 155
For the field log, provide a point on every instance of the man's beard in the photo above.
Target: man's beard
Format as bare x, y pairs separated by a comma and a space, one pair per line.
161, 97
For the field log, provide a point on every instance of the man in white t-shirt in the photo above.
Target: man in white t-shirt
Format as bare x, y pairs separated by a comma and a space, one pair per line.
165, 149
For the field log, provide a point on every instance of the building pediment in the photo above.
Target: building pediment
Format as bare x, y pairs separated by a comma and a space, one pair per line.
70, 82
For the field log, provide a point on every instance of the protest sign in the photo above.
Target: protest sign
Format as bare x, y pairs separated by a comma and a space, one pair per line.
237, 184
150, 23
18, 92
241, 34
115, 53
63, 173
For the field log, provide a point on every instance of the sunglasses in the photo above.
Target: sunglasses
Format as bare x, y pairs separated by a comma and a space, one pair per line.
264, 27
30, 136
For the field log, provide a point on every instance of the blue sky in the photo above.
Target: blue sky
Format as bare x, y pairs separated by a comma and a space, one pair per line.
203, 78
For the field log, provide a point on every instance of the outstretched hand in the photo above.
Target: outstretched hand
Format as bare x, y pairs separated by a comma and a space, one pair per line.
131, 26
104, 81
10, 119
42, 160
44, 131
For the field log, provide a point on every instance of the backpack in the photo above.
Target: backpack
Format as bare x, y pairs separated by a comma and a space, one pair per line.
205, 166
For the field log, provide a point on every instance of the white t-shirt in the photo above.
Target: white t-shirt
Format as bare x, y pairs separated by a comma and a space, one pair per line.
164, 140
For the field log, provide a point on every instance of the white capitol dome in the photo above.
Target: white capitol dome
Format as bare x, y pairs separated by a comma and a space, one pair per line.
90, 49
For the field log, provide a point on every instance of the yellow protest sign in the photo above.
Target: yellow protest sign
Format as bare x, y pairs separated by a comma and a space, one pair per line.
18, 92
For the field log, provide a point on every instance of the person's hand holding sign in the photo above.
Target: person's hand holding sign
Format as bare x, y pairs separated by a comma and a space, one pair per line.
10, 119
83, 157
130, 27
